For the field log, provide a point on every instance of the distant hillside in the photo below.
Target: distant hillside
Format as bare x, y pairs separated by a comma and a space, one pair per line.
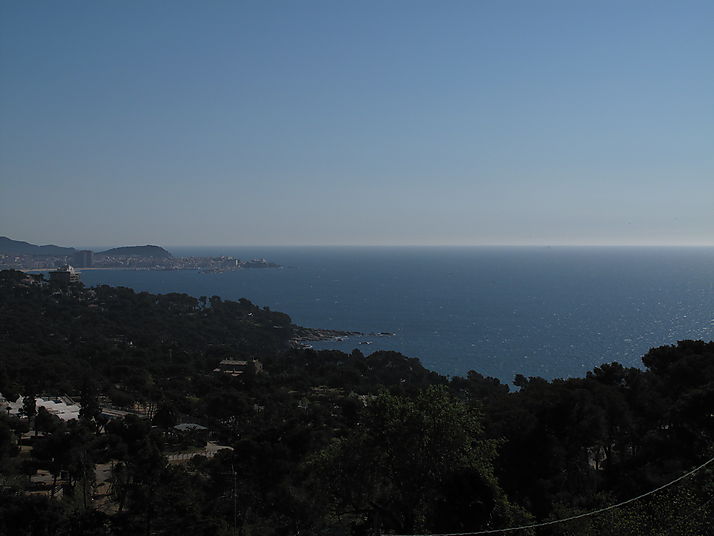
138, 251
17, 247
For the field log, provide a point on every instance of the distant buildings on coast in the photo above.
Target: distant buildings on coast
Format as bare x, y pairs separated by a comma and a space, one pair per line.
83, 258
18, 255
90, 259
64, 275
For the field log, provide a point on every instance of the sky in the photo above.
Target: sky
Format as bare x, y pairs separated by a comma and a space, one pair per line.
357, 123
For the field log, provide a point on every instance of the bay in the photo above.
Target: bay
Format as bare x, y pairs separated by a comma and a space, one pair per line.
537, 311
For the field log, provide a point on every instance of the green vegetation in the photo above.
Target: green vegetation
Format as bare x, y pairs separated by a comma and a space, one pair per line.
324, 442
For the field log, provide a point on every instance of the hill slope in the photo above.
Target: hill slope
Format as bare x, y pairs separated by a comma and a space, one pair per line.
18, 247
138, 251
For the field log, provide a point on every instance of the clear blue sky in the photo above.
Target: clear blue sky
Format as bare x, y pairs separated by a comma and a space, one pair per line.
361, 122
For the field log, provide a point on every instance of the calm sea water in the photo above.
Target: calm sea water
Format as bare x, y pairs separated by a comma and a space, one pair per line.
550, 312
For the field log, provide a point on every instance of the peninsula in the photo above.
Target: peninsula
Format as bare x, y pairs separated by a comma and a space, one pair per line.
156, 252
18, 255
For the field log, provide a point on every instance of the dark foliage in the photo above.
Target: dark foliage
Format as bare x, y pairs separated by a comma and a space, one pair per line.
325, 442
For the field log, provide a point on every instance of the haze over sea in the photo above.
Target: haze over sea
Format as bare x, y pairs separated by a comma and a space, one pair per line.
537, 311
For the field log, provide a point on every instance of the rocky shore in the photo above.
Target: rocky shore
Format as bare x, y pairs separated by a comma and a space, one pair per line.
303, 336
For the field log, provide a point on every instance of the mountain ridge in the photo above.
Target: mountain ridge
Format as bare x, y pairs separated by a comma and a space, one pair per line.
19, 247
138, 251
8, 246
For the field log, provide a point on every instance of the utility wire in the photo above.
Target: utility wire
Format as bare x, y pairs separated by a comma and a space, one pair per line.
579, 516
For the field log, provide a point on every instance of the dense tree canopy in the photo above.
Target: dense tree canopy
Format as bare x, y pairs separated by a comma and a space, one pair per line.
325, 442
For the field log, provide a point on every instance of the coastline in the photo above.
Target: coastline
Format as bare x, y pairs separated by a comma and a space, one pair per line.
304, 335
501, 312
144, 269
99, 268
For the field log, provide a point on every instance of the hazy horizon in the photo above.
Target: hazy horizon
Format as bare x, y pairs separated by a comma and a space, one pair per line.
100, 247
367, 123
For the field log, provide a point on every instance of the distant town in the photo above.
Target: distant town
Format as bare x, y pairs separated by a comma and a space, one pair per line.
24, 256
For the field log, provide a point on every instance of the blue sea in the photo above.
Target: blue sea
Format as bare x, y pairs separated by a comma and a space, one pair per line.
538, 311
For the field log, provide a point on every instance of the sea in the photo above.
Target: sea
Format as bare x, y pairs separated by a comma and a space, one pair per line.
553, 312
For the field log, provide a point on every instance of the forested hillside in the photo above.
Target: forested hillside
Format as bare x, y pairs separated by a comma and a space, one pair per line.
325, 442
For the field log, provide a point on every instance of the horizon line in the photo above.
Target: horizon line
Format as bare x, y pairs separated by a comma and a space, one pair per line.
545, 245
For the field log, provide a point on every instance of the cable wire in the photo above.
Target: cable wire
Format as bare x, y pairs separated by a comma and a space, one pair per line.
565, 520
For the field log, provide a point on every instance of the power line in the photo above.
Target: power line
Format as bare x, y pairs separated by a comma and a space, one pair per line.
565, 520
